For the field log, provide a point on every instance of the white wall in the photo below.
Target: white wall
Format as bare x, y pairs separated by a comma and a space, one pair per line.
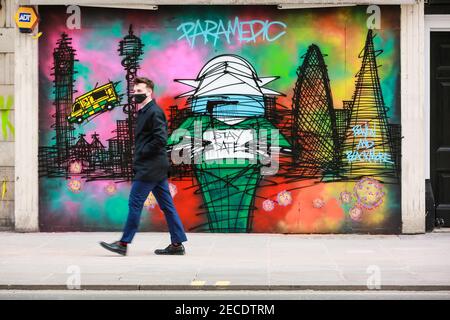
412, 118
7, 113
26, 144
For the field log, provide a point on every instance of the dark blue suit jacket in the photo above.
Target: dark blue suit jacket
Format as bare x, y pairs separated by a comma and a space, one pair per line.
150, 160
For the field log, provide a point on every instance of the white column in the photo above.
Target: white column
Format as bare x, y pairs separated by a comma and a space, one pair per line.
412, 118
26, 126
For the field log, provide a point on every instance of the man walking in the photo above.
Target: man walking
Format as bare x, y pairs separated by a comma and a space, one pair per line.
150, 168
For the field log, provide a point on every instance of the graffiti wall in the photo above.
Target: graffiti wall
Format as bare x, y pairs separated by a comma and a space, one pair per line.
280, 121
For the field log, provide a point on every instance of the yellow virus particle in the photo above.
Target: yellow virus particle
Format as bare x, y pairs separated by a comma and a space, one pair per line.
111, 188
74, 185
150, 202
284, 198
369, 193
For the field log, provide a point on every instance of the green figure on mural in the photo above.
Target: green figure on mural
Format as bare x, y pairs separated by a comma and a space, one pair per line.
228, 140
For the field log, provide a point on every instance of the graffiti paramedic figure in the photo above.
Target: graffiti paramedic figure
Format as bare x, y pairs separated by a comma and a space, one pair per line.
150, 168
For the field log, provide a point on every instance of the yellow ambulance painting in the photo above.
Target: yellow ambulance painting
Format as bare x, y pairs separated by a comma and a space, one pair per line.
98, 100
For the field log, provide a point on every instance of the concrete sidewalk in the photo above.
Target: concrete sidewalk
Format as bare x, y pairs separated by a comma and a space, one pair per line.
228, 261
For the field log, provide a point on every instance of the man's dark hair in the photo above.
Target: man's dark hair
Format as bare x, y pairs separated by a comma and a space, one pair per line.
145, 80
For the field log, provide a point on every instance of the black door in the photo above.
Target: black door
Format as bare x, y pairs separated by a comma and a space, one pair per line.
440, 123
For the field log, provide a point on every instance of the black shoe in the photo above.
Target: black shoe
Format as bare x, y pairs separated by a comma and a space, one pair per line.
115, 247
171, 249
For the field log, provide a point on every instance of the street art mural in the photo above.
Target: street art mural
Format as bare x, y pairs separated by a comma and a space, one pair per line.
280, 121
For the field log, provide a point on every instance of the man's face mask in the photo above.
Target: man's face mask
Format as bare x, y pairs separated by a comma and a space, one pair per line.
139, 97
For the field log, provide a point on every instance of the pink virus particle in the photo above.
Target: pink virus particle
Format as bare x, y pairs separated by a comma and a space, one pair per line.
268, 205
369, 193
74, 185
173, 189
75, 167
318, 203
111, 188
284, 198
356, 213
346, 197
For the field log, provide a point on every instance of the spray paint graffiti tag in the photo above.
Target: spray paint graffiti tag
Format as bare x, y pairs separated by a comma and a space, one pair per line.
244, 31
6, 105
366, 149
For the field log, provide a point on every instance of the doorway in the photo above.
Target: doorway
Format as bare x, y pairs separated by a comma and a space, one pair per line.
439, 100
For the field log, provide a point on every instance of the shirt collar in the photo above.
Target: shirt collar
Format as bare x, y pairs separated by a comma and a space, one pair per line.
143, 109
